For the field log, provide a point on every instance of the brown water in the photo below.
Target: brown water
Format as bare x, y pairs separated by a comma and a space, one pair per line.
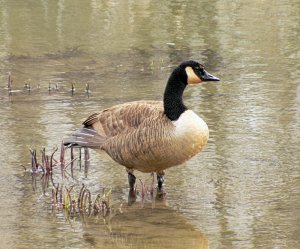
242, 191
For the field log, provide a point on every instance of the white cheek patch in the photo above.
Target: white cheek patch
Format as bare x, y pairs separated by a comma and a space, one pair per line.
192, 77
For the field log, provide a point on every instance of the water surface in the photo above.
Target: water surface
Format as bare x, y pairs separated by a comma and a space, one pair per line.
241, 191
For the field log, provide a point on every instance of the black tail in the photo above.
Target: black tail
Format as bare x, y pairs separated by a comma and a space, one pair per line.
85, 137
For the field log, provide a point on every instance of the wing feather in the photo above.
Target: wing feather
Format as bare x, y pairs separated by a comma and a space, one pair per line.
121, 118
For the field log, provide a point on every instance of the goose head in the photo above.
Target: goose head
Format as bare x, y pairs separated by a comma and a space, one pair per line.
187, 73
195, 73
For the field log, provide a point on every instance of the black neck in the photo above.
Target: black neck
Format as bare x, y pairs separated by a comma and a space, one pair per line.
173, 104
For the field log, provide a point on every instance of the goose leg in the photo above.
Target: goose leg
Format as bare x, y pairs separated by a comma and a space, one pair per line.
131, 179
160, 180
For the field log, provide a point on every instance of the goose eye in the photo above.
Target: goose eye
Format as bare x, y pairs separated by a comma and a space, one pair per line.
199, 69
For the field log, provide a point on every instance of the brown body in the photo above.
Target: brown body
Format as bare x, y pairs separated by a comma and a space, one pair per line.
139, 136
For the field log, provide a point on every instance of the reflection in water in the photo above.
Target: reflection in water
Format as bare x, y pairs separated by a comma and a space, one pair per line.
147, 225
150, 227
241, 192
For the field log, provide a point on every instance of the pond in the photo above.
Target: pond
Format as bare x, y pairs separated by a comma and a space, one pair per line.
241, 191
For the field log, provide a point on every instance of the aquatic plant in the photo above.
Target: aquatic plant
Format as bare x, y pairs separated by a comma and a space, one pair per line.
68, 198
56, 169
146, 191
9, 82
52, 87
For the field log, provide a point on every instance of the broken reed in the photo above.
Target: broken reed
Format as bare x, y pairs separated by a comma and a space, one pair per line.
9, 82
62, 196
51, 87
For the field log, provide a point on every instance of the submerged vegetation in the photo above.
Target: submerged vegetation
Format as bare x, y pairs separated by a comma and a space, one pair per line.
52, 88
53, 172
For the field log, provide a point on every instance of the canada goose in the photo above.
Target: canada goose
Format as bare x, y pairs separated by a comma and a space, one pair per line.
150, 136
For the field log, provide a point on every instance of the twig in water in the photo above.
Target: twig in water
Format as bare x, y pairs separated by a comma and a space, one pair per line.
86, 160
9, 82
62, 159
72, 88
34, 167
79, 158
72, 161
87, 89
80, 197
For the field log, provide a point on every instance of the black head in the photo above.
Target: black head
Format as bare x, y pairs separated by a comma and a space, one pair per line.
196, 73
188, 72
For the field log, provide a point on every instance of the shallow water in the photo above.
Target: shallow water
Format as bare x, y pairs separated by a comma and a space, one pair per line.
241, 191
